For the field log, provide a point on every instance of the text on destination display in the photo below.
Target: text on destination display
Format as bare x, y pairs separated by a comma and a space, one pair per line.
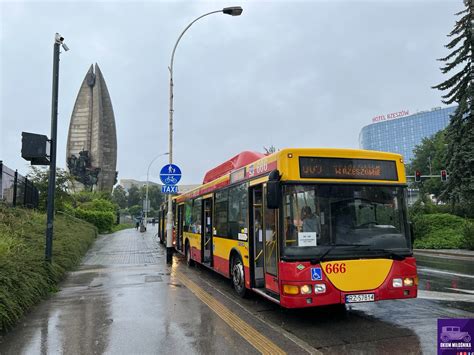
344, 168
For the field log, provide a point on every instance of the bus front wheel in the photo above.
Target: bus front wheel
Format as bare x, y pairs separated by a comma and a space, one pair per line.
238, 276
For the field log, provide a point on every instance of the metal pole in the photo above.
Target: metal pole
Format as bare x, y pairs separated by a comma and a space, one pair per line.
234, 11
15, 187
146, 200
147, 182
169, 216
52, 166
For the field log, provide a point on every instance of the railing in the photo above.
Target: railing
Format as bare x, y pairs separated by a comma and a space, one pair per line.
17, 190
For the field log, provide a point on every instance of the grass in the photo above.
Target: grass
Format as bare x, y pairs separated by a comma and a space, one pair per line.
122, 226
24, 276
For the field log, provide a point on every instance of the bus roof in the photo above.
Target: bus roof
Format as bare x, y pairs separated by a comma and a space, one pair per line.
248, 165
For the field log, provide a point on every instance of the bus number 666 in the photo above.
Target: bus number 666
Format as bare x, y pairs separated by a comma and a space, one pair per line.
335, 268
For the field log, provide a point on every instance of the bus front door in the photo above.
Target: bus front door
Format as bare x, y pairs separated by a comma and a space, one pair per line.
271, 249
206, 231
257, 236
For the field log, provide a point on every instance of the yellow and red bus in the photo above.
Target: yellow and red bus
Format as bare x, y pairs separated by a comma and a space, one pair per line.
303, 227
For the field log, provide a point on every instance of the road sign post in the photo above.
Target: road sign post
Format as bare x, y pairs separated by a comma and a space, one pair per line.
170, 175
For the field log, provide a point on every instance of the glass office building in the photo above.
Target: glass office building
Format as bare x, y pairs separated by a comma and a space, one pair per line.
403, 134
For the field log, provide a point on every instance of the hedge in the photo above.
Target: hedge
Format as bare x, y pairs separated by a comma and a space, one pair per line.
439, 231
104, 221
25, 277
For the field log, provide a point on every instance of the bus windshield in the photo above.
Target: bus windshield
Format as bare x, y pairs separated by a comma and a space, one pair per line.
353, 217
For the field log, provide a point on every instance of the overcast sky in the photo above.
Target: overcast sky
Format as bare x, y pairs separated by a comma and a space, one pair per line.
285, 73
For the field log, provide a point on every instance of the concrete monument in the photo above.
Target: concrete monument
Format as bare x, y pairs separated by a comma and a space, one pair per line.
92, 139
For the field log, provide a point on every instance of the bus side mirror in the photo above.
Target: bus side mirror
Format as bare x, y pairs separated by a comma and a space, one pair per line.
274, 190
412, 233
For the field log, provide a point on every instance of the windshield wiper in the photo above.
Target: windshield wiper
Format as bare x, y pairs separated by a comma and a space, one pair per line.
390, 253
334, 246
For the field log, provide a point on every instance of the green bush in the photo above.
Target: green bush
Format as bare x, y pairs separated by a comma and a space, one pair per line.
438, 231
103, 220
135, 210
24, 276
99, 205
468, 235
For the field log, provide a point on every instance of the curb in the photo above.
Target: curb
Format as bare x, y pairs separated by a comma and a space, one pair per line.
465, 254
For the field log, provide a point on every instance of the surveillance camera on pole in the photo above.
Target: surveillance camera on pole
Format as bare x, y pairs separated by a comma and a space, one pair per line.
60, 40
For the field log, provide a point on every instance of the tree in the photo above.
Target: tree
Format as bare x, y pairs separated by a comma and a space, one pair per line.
460, 90
40, 178
119, 196
133, 196
135, 210
430, 156
154, 195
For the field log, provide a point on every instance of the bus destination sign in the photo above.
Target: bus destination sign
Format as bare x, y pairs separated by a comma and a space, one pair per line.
343, 168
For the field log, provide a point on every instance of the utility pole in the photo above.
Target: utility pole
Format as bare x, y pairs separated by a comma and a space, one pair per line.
58, 41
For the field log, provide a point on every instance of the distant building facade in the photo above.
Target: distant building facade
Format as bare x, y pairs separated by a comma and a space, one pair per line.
402, 135
92, 139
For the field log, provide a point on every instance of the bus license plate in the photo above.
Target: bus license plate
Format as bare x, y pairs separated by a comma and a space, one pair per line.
363, 297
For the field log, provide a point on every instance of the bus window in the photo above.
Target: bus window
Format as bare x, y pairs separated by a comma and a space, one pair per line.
323, 215
238, 217
271, 251
196, 217
187, 215
220, 216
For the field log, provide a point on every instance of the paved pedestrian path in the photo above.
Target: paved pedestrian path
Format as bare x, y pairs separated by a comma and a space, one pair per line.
124, 299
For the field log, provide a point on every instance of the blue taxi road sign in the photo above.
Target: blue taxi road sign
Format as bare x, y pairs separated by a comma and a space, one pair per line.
170, 174
169, 189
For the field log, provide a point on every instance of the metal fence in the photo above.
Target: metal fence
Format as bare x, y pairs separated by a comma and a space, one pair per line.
17, 190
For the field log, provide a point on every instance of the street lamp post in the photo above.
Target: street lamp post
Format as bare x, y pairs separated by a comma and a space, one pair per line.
147, 182
233, 11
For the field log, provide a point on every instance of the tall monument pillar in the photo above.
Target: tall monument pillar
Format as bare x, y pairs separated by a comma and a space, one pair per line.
92, 139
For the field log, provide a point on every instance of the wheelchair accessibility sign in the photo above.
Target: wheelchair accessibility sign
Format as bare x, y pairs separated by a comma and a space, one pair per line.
316, 273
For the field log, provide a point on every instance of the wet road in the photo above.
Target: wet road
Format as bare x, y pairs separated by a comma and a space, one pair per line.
125, 300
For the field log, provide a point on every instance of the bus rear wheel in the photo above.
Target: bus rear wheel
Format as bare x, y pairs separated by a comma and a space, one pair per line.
238, 276
189, 261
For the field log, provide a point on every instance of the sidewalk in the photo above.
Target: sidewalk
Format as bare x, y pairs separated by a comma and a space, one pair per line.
124, 299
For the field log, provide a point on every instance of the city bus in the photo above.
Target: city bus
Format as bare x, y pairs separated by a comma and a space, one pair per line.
302, 227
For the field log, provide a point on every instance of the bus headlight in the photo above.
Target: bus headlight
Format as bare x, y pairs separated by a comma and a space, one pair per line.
291, 289
397, 283
305, 289
319, 288
408, 281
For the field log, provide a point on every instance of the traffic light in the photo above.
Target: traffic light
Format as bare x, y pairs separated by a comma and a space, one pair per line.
444, 175
417, 176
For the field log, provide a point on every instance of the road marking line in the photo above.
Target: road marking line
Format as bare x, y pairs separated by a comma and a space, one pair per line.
434, 271
461, 290
445, 296
301, 343
252, 336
